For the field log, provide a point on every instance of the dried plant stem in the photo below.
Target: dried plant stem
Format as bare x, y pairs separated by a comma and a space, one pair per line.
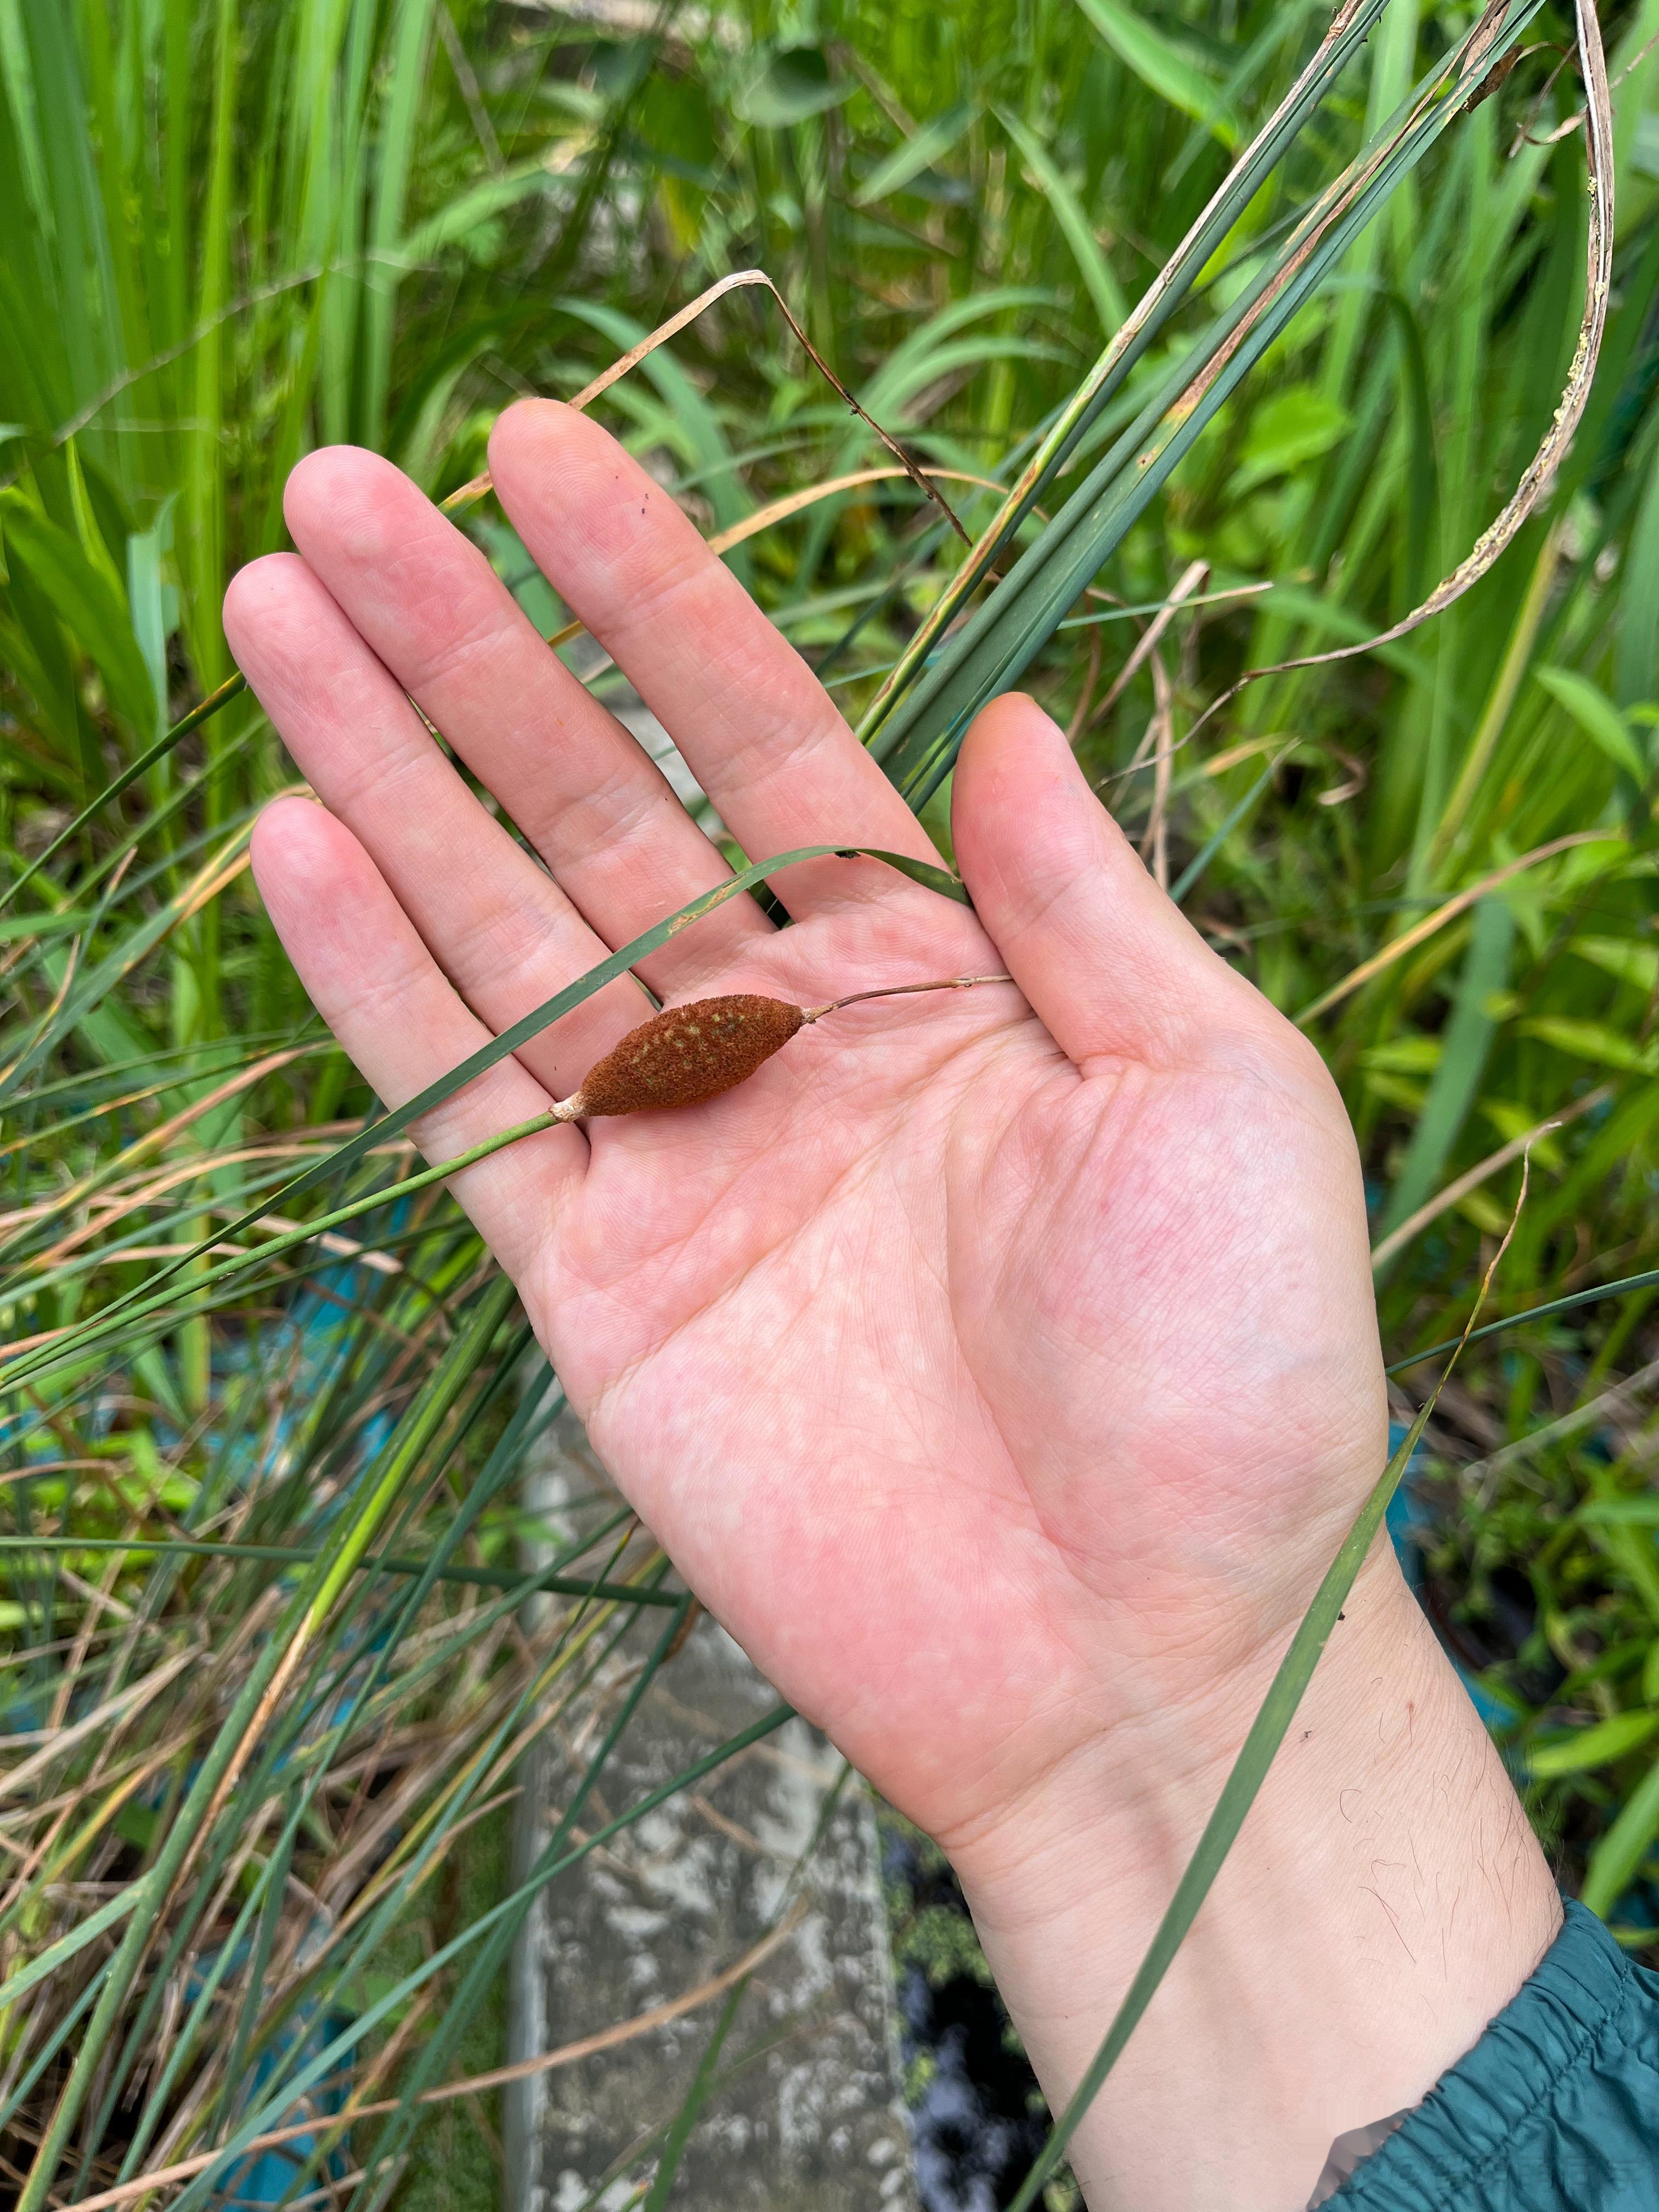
1160, 736
476, 488
1483, 1170
1192, 579
1409, 940
900, 991
543, 2061
1538, 480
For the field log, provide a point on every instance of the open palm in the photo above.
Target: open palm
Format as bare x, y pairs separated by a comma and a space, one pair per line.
998, 1365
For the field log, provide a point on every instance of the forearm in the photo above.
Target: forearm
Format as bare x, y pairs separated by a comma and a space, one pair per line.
1385, 1899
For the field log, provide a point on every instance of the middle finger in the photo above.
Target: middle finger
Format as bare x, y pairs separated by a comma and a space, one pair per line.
588, 797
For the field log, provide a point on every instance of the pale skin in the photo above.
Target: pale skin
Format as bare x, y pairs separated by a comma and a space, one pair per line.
1000, 1366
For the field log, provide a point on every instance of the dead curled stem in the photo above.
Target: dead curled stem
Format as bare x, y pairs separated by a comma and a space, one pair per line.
1540, 471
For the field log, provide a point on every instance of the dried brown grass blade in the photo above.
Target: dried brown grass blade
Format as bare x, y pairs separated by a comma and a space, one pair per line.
1482, 1171
607, 2038
795, 503
480, 484
1147, 643
154, 1140
1160, 736
71, 964
117, 1709
1409, 940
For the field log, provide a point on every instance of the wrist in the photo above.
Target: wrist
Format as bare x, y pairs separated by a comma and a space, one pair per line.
1384, 1899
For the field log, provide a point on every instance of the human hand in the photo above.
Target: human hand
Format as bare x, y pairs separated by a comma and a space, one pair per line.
999, 1366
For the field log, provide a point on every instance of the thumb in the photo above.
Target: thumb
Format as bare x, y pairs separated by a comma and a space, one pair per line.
1106, 961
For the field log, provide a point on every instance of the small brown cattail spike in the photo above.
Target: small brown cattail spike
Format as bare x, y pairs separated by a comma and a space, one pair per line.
688, 1053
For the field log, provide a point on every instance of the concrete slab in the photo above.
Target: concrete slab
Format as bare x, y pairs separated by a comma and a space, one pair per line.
804, 2114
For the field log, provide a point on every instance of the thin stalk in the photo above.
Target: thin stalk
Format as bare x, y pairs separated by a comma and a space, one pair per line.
274, 1665
490, 1961
1347, 31
1504, 690
136, 1305
322, 2066
287, 1555
900, 991
230, 689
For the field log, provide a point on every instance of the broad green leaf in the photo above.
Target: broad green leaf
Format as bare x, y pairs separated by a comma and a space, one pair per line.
93, 541
1296, 425
89, 602
1460, 1062
1410, 1054
1592, 1041
1596, 716
794, 84
1590, 1747
931, 143
1163, 65
1616, 1858
154, 604
1629, 960
469, 211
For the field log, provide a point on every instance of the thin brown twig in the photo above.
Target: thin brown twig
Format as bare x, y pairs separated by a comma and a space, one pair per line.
478, 485
1482, 1171
1574, 122
1085, 698
1191, 580
1409, 940
1160, 736
899, 991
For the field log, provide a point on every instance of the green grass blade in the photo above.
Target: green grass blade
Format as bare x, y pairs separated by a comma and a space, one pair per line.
232, 688
142, 1305
291, 1555
1465, 1045
340, 2047
702, 2085
1250, 1771
1616, 1859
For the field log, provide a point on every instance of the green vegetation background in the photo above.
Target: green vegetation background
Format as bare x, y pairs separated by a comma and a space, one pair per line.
246, 227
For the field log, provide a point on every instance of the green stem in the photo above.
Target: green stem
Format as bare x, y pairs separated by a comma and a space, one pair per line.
291, 1239
289, 1555
226, 691
1250, 1771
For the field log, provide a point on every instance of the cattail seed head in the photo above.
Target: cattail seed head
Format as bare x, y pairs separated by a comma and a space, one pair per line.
685, 1054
